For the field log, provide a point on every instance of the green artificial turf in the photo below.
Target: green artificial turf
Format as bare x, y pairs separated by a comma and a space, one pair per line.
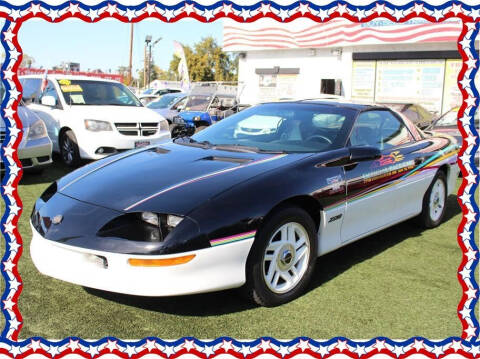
398, 283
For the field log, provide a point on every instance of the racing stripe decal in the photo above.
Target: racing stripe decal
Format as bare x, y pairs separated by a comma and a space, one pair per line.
200, 178
231, 239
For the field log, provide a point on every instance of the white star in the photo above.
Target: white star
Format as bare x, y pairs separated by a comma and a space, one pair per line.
341, 9
283, 14
130, 350
111, 345
14, 93
283, 350
73, 345
265, 8
471, 293
150, 345
475, 349
8, 35
208, 350
15, 14
470, 331
14, 54
398, 14
342, 345
130, 14
456, 9
53, 14
470, 216
303, 8
418, 345
437, 14
150, 8
398, 350
112, 9
8, 151
245, 14
465, 312
14, 131
15, 350
465, 82
471, 178
92, 350
360, 14
465, 158
465, 198
53, 350
9, 228
470, 25
189, 8
14, 169
245, 350
303, 344
8, 304
189, 345
169, 13
9, 112
323, 14
418, 8
14, 246
471, 63
360, 350
35, 8
227, 345
470, 101
73, 8
379, 345
34, 345
437, 350
93, 14
8, 74
379, 8
465, 43
169, 350
265, 345
475, 13
14, 284
456, 345
8, 189
14, 323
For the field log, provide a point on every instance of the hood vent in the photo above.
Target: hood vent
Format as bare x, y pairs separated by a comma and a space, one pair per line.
227, 159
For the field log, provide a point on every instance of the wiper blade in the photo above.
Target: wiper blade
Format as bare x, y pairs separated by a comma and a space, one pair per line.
188, 141
237, 148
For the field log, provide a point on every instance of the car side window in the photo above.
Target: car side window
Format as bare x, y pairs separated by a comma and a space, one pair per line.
31, 90
50, 91
380, 129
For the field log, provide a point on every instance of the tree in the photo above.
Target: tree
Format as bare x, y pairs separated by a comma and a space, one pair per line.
153, 73
207, 62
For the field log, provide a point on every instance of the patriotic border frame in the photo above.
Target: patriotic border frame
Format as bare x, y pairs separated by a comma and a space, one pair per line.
467, 345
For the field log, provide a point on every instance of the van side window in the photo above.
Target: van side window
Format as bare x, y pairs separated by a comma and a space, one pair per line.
31, 90
50, 91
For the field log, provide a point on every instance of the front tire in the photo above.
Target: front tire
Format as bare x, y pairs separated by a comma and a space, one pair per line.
69, 149
282, 258
434, 202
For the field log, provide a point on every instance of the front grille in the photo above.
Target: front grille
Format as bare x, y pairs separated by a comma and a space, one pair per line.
3, 134
143, 129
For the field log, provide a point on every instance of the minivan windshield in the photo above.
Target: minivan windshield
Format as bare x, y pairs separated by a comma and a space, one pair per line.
97, 93
165, 101
280, 127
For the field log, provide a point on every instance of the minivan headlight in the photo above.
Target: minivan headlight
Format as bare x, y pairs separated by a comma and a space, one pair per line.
37, 130
164, 125
95, 125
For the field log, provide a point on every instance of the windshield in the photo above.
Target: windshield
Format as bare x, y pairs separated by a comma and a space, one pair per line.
98, 93
164, 101
282, 127
197, 103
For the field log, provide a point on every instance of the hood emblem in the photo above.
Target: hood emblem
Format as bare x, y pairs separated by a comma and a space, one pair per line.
57, 219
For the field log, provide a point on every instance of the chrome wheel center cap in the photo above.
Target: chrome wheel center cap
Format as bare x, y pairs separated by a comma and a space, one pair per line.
285, 257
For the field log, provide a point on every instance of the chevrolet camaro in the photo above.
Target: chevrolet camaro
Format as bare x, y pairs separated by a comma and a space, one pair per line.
238, 205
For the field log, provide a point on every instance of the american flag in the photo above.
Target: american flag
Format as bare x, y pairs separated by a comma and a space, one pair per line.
304, 33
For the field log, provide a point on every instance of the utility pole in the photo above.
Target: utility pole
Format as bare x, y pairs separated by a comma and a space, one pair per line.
129, 81
146, 60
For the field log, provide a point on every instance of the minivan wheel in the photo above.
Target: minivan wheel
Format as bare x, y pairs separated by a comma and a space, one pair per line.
69, 149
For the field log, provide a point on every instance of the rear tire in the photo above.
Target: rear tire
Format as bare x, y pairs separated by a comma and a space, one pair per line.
282, 258
69, 149
434, 202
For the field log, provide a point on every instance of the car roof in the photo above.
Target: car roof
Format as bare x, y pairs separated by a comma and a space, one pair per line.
359, 106
67, 77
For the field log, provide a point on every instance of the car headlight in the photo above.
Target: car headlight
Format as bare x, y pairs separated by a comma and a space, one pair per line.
37, 130
178, 120
196, 118
95, 125
164, 125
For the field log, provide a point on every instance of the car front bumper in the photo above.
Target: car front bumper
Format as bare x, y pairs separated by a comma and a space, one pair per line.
34, 154
211, 269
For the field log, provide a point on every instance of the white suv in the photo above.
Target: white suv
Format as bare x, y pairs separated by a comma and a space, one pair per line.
92, 118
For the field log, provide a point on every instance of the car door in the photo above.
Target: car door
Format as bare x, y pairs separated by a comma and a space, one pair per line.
49, 114
378, 191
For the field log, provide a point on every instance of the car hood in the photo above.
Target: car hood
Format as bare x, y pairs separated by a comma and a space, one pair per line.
115, 113
172, 178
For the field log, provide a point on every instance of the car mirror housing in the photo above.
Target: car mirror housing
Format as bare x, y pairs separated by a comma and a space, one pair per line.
364, 153
48, 101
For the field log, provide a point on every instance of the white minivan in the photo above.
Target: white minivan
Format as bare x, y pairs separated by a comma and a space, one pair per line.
91, 118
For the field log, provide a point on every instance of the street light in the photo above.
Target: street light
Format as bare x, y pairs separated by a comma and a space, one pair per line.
148, 41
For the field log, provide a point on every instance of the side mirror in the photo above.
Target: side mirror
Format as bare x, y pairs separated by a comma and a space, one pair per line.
48, 101
364, 153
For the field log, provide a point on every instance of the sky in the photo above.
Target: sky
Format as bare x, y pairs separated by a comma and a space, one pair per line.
105, 44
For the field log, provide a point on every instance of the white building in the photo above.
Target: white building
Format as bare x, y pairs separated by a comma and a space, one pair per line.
379, 61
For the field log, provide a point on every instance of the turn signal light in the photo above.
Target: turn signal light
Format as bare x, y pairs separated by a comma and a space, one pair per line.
164, 262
